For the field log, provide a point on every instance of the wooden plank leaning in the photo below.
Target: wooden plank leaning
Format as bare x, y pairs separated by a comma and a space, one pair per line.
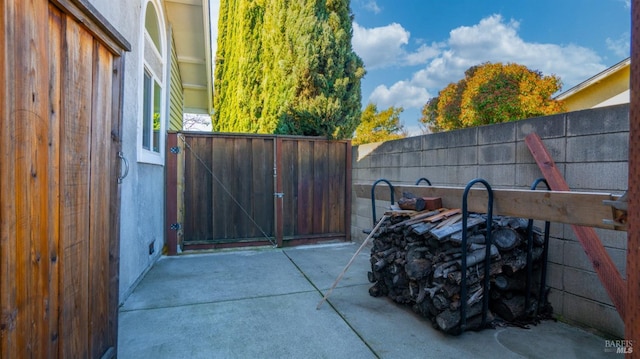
364, 243
611, 279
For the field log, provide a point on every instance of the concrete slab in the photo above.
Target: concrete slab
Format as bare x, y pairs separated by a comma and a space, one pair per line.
214, 277
282, 326
262, 303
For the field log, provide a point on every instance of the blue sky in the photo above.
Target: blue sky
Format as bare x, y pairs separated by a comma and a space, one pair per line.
413, 49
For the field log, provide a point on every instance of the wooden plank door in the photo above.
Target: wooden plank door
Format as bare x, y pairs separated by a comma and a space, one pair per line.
60, 104
229, 186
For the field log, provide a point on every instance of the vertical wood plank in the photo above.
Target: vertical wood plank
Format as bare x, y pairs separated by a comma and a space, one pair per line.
632, 314
25, 315
305, 171
348, 190
262, 184
8, 296
180, 187
56, 28
290, 186
171, 193
75, 192
320, 195
100, 198
114, 205
279, 201
334, 187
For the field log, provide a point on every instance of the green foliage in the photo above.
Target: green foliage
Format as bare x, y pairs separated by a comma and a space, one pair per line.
379, 126
287, 67
492, 93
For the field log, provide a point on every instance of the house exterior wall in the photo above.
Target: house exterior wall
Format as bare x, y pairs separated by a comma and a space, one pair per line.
607, 88
142, 199
589, 147
176, 103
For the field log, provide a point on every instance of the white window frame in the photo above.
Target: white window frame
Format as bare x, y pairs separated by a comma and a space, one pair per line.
149, 155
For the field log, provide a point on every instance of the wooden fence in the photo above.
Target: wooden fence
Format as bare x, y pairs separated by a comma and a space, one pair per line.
60, 98
226, 190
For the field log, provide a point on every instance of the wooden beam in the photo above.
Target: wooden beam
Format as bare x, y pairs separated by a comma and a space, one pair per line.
171, 193
593, 247
632, 314
580, 208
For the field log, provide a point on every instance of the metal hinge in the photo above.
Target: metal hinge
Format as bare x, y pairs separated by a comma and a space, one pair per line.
175, 150
175, 226
278, 194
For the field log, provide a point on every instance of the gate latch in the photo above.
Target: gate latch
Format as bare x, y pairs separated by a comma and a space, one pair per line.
175, 226
278, 194
175, 150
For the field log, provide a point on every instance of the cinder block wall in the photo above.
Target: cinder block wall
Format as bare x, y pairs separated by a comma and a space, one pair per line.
590, 148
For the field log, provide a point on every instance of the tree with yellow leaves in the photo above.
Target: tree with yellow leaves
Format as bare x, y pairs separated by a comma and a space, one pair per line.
492, 93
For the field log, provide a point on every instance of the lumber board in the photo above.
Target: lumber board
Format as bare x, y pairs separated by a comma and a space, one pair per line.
587, 236
632, 316
578, 208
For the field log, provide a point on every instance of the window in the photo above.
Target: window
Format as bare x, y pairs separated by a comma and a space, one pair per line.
152, 115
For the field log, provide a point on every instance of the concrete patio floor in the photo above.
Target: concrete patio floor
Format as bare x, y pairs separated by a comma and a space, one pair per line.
261, 303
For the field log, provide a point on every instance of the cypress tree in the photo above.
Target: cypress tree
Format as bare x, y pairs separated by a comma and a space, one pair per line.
298, 75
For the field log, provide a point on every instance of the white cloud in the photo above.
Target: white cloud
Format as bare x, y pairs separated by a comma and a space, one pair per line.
491, 40
372, 6
380, 46
401, 94
620, 46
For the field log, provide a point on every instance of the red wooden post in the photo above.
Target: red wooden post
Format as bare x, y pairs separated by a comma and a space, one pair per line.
171, 190
632, 314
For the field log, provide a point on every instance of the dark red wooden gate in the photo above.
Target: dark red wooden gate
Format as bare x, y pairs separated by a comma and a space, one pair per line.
227, 190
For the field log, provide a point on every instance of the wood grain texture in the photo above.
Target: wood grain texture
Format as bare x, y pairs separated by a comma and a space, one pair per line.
58, 180
603, 265
581, 208
243, 208
632, 314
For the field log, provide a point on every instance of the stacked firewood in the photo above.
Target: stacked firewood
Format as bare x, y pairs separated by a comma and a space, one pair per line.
416, 260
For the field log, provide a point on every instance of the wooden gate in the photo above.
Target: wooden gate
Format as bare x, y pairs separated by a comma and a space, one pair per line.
61, 68
227, 190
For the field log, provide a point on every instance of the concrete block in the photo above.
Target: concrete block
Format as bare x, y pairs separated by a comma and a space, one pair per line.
434, 157
498, 133
546, 127
598, 148
457, 138
462, 156
526, 174
556, 251
498, 175
411, 144
461, 175
585, 284
584, 312
555, 276
497, 154
393, 146
597, 176
437, 175
411, 174
598, 121
411, 159
556, 299
435, 141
